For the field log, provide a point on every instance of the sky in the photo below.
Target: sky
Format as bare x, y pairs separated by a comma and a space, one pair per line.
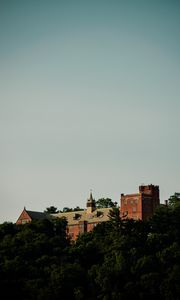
89, 99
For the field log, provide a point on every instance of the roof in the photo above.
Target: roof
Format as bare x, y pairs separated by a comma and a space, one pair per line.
130, 195
74, 217
36, 215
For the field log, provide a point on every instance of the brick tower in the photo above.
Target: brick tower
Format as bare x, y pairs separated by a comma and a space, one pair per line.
141, 205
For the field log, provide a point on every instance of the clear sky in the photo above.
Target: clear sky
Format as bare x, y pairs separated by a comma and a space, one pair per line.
89, 99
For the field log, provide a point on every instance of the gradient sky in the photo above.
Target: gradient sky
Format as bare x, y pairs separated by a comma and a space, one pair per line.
89, 99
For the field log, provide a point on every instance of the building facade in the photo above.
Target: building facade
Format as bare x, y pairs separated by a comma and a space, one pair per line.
28, 216
84, 220
141, 205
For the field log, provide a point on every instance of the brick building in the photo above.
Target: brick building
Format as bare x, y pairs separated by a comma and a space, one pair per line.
78, 221
84, 221
28, 215
141, 205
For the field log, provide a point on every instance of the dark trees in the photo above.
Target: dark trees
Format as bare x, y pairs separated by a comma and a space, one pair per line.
51, 210
105, 202
174, 200
119, 259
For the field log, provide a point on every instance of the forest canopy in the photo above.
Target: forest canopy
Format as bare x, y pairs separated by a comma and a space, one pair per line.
119, 259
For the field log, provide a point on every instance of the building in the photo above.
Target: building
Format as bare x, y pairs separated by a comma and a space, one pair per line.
84, 221
141, 205
27, 216
77, 221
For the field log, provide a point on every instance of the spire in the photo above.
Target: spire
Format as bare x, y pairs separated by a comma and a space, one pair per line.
91, 204
91, 197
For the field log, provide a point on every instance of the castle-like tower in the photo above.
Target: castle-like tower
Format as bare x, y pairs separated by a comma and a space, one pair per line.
141, 205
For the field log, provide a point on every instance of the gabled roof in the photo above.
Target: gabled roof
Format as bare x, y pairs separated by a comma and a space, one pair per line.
36, 215
28, 215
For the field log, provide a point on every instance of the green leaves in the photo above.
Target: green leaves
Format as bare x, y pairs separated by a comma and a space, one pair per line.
51, 210
174, 200
119, 259
104, 202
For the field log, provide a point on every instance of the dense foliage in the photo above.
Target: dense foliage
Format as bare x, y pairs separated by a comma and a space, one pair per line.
120, 259
105, 202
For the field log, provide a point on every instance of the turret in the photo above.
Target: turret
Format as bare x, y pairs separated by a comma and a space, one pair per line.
91, 204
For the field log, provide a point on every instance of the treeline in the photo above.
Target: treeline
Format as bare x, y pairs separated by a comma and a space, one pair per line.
100, 203
120, 259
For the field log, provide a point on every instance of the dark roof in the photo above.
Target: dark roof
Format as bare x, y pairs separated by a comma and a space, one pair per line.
36, 215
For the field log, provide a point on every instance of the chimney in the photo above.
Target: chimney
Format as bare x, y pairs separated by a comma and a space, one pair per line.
166, 202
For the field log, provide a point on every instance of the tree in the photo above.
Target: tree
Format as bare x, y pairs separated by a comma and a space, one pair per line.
77, 208
114, 218
105, 202
174, 200
68, 209
51, 210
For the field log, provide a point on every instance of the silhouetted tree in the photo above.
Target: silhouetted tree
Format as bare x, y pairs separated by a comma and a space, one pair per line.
104, 202
51, 210
119, 259
174, 200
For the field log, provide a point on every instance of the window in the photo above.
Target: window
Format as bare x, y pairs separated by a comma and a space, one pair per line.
99, 214
125, 213
24, 221
77, 217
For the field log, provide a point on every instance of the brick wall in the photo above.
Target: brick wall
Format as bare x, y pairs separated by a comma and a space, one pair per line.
23, 218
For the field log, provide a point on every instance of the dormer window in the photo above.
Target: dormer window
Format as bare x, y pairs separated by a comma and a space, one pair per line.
77, 217
99, 214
